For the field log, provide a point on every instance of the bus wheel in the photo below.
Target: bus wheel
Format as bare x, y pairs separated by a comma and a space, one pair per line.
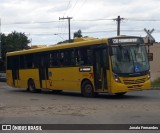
31, 86
87, 89
56, 91
120, 93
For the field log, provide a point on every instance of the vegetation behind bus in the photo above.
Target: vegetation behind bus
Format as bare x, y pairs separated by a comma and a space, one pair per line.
12, 42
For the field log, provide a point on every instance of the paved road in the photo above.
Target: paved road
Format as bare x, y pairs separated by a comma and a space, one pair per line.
17, 106
2, 77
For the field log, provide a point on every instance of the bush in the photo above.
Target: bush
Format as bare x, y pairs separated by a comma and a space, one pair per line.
156, 82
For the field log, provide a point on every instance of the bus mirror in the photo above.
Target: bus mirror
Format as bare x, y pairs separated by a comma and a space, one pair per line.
110, 51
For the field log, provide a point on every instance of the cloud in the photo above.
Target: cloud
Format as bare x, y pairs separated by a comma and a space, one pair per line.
31, 11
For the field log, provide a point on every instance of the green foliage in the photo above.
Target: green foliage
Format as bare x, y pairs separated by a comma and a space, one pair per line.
156, 82
78, 34
13, 42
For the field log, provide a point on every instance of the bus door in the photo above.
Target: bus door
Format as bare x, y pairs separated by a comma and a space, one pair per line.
15, 71
100, 68
43, 70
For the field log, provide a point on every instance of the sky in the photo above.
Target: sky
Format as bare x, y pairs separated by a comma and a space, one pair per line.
39, 19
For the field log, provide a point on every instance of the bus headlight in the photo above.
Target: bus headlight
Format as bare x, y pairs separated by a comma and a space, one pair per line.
149, 76
116, 78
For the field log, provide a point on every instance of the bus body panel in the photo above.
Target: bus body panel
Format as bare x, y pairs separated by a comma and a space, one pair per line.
130, 84
68, 78
9, 78
25, 75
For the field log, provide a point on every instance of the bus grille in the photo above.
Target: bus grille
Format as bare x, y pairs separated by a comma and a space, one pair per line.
137, 81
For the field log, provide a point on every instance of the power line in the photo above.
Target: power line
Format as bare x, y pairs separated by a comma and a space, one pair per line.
19, 23
99, 31
79, 8
143, 19
72, 8
81, 20
93, 20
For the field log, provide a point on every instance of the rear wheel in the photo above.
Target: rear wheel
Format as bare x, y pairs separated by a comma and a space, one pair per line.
87, 89
120, 93
56, 91
31, 86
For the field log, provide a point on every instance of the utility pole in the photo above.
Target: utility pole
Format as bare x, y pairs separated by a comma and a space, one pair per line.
118, 19
69, 28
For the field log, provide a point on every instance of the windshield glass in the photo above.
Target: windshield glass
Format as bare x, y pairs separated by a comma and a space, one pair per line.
129, 59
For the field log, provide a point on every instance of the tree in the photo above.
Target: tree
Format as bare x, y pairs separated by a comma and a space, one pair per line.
13, 42
16, 41
78, 34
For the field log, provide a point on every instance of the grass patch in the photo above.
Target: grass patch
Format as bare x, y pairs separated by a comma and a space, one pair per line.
156, 83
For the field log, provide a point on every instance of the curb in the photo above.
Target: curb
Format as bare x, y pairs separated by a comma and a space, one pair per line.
155, 88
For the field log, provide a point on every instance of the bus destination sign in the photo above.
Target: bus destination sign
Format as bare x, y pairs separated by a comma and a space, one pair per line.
122, 40
125, 40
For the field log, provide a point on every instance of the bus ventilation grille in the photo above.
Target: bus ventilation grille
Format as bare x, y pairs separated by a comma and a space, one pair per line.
137, 81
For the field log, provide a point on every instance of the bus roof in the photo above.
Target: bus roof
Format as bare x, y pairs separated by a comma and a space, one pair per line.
77, 42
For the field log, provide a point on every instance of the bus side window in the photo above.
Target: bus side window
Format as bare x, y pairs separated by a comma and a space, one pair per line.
72, 57
69, 57
9, 63
35, 60
54, 59
84, 56
61, 58
77, 57
29, 61
22, 61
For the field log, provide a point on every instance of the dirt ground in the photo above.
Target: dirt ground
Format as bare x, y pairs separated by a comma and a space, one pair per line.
134, 107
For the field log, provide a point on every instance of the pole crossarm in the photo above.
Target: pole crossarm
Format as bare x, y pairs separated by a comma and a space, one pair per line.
69, 27
118, 19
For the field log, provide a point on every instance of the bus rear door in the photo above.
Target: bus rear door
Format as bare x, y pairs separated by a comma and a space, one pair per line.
15, 71
43, 70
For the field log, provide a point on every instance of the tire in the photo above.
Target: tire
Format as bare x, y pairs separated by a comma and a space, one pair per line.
120, 93
56, 91
31, 87
87, 89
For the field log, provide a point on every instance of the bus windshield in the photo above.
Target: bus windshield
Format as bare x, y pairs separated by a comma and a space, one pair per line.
129, 59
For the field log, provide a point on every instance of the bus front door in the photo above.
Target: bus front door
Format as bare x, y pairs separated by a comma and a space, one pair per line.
100, 70
43, 70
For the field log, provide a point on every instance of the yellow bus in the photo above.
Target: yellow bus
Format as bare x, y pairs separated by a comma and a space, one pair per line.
89, 65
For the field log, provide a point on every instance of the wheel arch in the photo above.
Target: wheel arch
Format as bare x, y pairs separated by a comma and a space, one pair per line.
28, 83
84, 80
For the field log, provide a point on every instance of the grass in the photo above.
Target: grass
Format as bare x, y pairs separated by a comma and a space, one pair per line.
156, 83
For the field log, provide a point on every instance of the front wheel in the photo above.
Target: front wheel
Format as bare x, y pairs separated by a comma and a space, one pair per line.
87, 89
